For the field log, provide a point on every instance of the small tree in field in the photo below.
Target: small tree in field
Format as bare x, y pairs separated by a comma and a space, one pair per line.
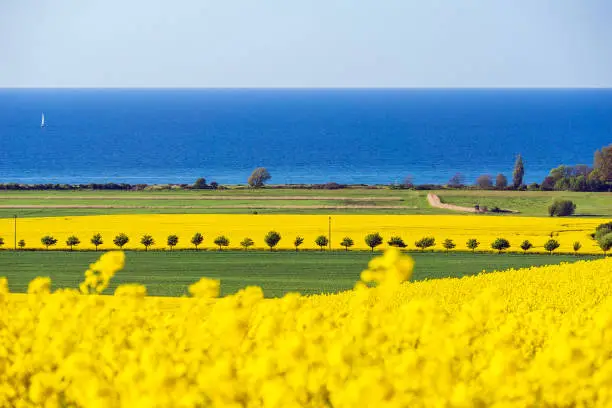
172, 241
48, 241
200, 184
526, 246
373, 240
246, 243
448, 244
197, 239
501, 181
551, 245
500, 244
21, 244
484, 182
96, 240
259, 177
1, 241
561, 208
147, 241
605, 243
518, 173
396, 242
297, 242
120, 240
425, 243
272, 238
221, 241
72, 241
472, 244
321, 241
347, 243
577, 246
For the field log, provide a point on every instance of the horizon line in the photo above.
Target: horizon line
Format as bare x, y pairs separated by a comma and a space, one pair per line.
299, 88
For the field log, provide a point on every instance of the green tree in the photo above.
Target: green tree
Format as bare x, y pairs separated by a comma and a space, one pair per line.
561, 208
472, 244
259, 177
48, 241
448, 244
297, 242
222, 241
605, 243
373, 240
518, 173
526, 246
246, 243
577, 246
484, 182
551, 245
347, 243
200, 184
1, 241
602, 164
500, 244
96, 240
120, 240
272, 238
197, 239
21, 244
72, 241
396, 242
321, 241
147, 241
425, 243
602, 229
172, 241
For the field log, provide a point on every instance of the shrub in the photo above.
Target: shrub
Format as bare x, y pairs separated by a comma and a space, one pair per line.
561, 208
448, 244
501, 181
347, 243
200, 184
246, 243
222, 241
500, 244
172, 241
577, 246
48, 241
602, 229
472, 244
605, 242
197, 239
120, 240
1, 241
96, 240
321, 241
551, 245
147, 240
484, 182
272, 238
297, 242
396, 242
425, 243
373, 240
526, 245
72, 241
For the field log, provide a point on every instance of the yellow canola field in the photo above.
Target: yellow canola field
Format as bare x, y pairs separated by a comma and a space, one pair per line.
535, 337
238, 226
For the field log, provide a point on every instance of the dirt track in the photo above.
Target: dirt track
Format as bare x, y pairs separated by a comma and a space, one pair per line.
434, 201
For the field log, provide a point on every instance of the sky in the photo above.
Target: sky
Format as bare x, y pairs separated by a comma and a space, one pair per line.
306, 43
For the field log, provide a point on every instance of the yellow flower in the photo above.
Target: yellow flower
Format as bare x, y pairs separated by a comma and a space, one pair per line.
40, 286
205, 288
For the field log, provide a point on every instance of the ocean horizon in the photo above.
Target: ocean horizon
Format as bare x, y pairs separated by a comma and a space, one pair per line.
303, 136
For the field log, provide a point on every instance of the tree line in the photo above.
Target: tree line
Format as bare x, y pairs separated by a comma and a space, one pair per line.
602, 235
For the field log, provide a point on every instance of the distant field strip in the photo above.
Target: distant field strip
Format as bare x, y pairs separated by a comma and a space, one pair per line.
196, 197
238, 226
242, 206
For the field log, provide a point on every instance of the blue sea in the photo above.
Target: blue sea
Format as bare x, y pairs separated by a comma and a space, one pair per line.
301, 136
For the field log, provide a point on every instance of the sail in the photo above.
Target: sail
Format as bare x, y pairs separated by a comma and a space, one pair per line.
42, 121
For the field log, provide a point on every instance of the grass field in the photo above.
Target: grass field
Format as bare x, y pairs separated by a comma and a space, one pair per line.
284, 201
169, 274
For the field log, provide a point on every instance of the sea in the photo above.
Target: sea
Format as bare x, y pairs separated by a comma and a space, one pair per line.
352, 136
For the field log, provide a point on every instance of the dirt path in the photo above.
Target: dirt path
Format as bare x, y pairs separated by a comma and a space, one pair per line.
434, 201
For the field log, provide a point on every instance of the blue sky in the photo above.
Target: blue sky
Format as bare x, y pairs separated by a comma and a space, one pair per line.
308, 43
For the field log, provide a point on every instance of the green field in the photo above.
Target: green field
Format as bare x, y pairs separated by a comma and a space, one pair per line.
170, 273
286, 201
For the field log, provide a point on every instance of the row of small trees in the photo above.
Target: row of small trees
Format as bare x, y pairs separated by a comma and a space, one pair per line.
272, 239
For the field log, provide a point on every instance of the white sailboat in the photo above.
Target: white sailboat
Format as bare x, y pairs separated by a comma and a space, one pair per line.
42, 121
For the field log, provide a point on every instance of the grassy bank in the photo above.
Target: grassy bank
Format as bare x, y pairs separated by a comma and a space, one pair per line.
169, 274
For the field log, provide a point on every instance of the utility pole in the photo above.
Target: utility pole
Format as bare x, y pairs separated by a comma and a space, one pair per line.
15, 231
329, 240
